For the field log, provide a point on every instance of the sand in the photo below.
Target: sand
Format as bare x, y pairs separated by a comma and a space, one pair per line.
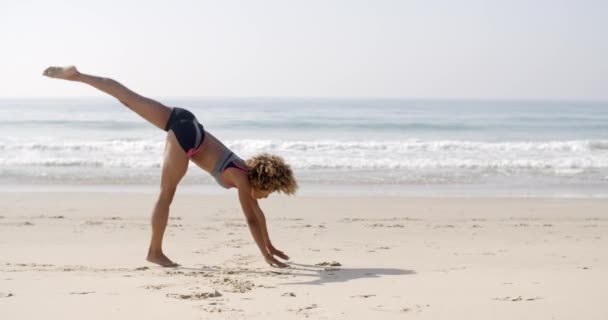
81, 256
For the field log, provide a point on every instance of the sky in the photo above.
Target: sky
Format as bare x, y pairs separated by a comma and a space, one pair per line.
410, 49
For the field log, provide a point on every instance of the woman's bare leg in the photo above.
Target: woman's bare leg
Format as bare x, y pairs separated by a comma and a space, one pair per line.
175, 163
174, 168
149, 109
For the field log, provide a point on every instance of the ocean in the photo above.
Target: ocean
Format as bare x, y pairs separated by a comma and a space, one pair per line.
335, 146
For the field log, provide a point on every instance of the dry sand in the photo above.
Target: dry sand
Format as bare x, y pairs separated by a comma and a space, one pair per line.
81, 256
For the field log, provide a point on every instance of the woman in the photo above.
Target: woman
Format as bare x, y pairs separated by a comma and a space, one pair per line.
187, 141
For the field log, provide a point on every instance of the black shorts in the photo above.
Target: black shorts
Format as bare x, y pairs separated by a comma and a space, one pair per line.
189, 132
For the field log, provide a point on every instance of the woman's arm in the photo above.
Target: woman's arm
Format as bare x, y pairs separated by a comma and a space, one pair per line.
255, 226
264, 229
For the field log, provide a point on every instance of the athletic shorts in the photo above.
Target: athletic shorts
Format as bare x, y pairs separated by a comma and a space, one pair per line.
189, 132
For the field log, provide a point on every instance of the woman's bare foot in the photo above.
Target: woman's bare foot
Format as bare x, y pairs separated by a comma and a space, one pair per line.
160, 259
66, 73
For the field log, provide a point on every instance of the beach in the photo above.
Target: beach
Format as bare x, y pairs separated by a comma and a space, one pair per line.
74, 255
444, 161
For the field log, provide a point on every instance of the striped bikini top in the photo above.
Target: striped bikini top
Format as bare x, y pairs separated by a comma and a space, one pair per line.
227, 160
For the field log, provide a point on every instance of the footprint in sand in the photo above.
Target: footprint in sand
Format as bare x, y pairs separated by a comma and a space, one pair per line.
265, 286
382, 225
305, 310
444, 226
234, 285
331, 264
592, 219
515, 299
416, 308
83, 293
154, 287
195, 296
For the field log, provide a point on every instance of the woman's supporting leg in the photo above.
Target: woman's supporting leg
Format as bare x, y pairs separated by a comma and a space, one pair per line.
149, 109
175, 165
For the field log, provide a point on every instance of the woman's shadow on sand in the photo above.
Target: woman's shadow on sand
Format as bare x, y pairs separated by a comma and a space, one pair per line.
341, 274
320, 274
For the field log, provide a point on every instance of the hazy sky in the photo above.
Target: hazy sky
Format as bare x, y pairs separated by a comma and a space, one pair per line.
481, 49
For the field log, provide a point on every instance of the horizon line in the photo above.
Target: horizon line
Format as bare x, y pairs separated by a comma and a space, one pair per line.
344, 98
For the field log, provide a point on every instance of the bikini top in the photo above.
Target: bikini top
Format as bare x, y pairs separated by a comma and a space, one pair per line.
227, 160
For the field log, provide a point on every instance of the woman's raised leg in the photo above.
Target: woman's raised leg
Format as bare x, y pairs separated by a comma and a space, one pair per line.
149, 109
175, 165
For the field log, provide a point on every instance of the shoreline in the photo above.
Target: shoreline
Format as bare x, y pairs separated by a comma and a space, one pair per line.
336, 190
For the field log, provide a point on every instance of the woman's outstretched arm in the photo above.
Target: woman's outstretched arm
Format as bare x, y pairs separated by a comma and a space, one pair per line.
149, 109
255, 226
264, 230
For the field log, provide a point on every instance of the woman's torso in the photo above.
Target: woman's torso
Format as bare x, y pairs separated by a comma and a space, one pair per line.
203, 148
213, 158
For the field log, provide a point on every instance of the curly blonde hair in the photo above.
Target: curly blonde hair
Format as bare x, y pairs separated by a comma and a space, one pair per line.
270, 173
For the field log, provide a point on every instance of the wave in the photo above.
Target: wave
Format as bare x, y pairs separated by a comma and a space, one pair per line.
99, 146
87, 124
421, 145
350, 125
554, 157
371, 146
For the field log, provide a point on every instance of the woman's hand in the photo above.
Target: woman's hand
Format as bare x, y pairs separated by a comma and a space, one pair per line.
274, 262
275, 252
